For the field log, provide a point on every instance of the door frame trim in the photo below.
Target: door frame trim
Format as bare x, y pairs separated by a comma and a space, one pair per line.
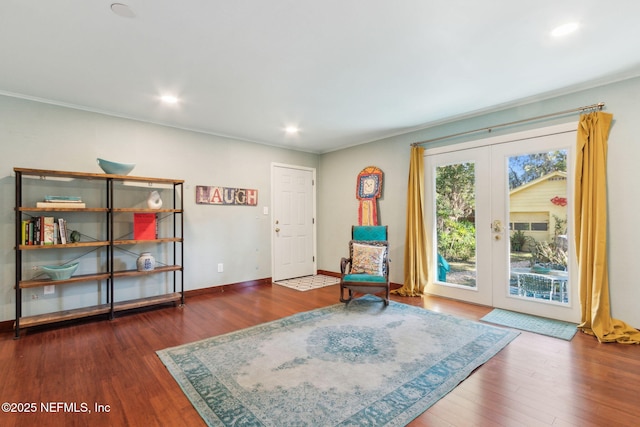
314, 225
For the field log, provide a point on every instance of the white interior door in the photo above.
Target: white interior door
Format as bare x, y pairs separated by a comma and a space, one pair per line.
485, 194
293, 222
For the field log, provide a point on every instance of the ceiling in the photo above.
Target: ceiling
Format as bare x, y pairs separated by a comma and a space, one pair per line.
345, 72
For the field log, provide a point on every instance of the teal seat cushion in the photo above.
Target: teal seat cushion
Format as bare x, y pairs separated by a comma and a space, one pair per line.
364, 278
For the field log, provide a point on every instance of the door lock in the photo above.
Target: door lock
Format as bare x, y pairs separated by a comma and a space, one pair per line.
497, 226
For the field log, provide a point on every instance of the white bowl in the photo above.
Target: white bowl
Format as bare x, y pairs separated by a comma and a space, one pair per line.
115, 168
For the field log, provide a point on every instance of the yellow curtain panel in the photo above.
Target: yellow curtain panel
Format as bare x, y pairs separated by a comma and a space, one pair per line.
591, 232
415, 255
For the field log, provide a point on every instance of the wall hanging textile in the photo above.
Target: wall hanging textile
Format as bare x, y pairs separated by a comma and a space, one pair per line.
368, 190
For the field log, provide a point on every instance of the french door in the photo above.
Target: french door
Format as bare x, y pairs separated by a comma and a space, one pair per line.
499, 216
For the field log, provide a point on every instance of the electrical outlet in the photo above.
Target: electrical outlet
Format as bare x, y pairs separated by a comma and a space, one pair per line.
49, 289
34, 296
220, 268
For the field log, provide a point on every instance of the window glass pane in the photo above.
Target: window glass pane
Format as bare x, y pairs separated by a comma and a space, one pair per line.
456, 224
537, 208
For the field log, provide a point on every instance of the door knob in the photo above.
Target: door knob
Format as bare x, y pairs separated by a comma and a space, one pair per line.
277, 230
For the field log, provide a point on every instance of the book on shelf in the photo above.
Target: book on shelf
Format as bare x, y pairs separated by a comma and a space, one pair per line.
31, 231
37, 228
145, 226
44, 230
24, 232
60, 205
63, 199
47, 230
56, 233
62, 229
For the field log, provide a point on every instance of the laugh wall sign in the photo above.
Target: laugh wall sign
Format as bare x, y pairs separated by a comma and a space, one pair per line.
206, 195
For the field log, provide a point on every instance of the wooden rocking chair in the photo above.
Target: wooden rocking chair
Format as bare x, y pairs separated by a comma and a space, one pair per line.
367, 268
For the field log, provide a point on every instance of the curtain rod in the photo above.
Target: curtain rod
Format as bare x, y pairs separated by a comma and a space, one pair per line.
595, 107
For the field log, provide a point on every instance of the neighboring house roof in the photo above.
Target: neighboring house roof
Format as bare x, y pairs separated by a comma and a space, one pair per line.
556, 174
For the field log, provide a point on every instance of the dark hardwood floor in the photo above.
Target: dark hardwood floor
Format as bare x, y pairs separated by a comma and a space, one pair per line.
534, 381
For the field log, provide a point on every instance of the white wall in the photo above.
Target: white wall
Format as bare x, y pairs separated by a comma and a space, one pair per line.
42, 136
338, 171
36, 135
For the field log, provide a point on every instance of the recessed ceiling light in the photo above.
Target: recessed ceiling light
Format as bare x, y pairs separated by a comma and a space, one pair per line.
122, 10
291, 130
564, 29
169, 99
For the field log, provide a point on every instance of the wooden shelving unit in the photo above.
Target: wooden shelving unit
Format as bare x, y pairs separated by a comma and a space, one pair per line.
105, 248
67, 245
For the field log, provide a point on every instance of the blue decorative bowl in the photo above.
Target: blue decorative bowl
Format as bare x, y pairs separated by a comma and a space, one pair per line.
115, 168
60, 272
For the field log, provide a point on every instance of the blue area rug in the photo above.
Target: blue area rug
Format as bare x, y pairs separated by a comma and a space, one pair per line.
356, 365
526, 322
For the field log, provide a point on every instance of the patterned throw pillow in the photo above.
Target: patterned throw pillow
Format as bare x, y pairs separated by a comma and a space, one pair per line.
368, 259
